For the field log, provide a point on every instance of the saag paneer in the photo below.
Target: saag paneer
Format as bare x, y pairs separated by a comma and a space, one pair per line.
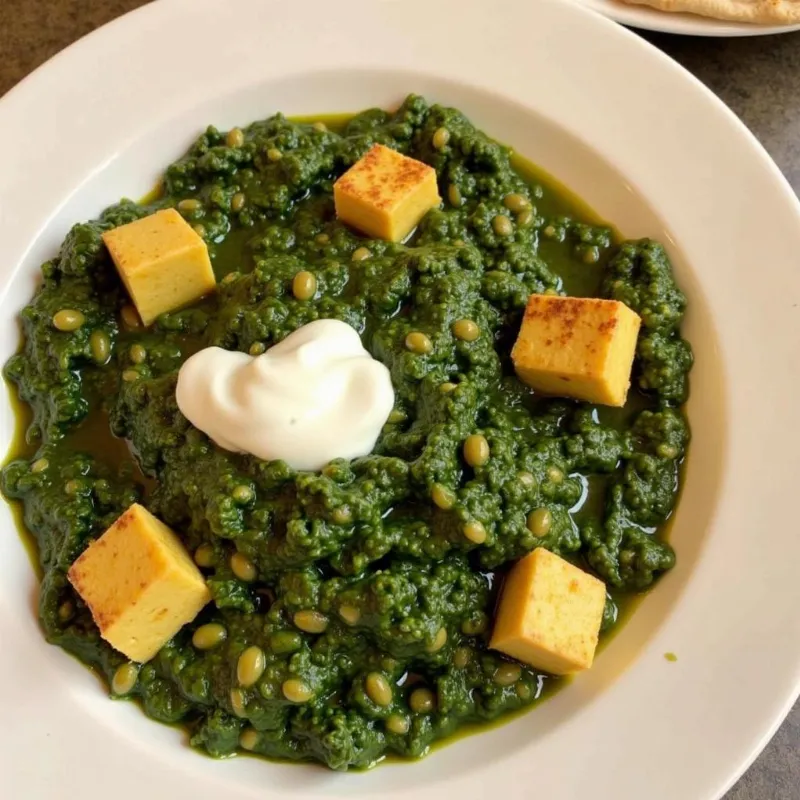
351, 607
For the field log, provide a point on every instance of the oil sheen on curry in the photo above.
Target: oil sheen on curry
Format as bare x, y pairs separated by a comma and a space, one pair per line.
354, 435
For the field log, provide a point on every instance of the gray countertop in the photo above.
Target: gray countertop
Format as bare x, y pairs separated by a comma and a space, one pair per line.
759, 78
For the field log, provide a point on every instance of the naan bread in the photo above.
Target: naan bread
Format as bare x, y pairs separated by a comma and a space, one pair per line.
757, 11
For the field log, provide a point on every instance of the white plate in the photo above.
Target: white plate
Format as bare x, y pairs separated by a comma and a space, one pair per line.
104, 117
686, 24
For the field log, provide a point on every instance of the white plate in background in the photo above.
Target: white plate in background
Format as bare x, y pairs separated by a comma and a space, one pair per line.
571, 91
687, 24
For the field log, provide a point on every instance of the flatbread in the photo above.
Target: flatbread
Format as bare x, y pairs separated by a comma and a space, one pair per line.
757, 11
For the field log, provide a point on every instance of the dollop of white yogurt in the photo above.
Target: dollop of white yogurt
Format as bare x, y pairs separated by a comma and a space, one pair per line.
315, 396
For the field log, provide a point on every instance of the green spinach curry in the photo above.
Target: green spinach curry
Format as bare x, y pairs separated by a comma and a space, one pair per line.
366, 588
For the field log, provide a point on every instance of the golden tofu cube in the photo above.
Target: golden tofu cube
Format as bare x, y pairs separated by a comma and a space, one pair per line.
162, 261
578, 347
385, 194
550, 614
139, 583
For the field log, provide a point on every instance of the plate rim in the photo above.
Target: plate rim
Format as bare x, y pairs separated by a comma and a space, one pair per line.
148, 19
682, 24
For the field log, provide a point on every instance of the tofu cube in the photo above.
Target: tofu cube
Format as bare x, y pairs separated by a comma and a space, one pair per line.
162, 261
550, 614
385, 194
578, 347
139, 583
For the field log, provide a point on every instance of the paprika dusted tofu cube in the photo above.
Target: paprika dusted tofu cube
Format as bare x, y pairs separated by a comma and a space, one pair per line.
385, 194
550, 614
578, 347
139, 583
162, 261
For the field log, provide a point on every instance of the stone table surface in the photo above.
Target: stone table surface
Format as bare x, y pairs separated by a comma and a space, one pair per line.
759, 78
